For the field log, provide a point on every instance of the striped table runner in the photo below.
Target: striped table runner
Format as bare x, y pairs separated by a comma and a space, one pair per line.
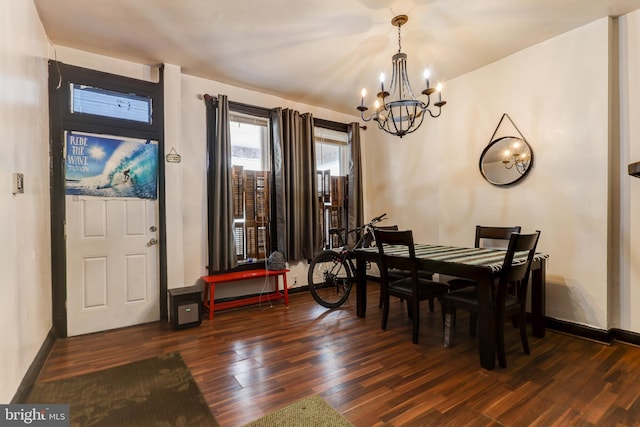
483, 257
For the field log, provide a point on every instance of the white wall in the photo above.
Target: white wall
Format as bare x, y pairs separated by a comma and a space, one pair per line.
557, 94
25, 254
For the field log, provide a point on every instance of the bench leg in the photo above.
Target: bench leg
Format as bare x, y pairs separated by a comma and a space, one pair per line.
212, 289
286, 288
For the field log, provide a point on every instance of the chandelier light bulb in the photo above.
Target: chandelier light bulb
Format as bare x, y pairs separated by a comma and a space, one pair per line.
363, 93
427, 74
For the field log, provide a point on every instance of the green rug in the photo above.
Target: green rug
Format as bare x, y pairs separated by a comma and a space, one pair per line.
154, 392
311, 411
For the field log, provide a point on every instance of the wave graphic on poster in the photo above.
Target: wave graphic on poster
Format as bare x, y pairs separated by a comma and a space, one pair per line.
130, 171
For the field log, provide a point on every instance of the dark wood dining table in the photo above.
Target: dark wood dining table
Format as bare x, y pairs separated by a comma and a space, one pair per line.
482, 265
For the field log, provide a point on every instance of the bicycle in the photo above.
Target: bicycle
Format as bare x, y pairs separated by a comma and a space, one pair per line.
332, 272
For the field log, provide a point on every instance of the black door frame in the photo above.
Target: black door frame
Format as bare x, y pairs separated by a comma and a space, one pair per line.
61, 119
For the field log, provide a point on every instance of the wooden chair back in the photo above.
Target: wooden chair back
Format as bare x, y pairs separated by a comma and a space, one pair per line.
486, 235
389, 262
517, 273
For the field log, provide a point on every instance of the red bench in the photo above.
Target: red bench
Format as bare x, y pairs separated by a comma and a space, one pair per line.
211, 281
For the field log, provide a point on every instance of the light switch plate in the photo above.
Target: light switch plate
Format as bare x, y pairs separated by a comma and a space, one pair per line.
18, 183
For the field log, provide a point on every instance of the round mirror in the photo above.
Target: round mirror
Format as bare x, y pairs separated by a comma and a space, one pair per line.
506, 160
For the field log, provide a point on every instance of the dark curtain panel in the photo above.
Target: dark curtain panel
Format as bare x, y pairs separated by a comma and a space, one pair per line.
222, 249
356, 214
278, 197
299, 234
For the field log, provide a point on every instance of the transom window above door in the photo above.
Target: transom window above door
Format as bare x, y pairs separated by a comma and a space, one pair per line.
108, 103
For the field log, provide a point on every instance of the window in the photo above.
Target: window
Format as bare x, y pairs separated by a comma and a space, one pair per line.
251, 159
108, 103
332, 165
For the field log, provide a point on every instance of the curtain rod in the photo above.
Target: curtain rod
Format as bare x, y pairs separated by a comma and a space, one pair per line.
264, 112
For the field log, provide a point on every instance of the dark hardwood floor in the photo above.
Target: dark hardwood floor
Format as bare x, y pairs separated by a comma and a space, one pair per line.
253, 360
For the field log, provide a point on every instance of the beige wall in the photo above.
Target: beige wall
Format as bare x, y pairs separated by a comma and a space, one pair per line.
557, 94
25, 254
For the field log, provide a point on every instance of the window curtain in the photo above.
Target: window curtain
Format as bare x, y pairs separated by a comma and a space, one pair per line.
356, 214
222, 249
299, 234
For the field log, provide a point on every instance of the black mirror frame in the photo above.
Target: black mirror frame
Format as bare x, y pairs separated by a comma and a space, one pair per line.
519, 178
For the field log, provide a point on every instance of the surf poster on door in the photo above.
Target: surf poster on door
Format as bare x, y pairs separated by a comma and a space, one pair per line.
109, 167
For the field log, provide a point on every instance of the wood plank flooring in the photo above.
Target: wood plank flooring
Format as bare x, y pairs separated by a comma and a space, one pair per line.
254, 360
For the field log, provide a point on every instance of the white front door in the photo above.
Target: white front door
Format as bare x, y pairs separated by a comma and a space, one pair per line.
111, 242
111, 264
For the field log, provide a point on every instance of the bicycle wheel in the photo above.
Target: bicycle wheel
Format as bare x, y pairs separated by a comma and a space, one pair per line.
330, 279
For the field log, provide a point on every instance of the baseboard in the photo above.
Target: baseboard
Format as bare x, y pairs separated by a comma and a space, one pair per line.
31, 376
599, 335
626, 336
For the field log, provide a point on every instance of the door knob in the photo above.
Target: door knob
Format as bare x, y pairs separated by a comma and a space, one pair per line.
152, 242
153, 228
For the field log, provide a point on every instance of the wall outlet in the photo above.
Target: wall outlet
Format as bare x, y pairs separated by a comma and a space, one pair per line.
18, 183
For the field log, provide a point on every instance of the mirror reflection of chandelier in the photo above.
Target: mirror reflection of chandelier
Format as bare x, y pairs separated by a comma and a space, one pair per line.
398, 111
518, 156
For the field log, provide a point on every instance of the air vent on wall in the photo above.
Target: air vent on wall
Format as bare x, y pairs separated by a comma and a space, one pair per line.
634, 169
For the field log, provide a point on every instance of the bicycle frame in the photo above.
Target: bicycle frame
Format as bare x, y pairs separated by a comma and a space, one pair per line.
332, 272
365, 240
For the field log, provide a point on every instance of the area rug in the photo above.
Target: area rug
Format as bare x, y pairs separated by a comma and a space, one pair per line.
154, 392
311, 411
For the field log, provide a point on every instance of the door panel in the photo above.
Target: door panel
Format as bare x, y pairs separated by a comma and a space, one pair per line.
112, 278
94, 282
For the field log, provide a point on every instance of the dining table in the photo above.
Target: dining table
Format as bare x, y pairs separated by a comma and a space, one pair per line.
482, 265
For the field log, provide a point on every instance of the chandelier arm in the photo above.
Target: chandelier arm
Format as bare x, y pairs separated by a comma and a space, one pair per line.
426, 104
435, 116
373, 115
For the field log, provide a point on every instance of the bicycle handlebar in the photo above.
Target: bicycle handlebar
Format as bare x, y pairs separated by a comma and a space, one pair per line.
357, 229
369, 224
377, 219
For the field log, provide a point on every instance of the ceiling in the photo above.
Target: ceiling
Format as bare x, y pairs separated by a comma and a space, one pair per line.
316, 52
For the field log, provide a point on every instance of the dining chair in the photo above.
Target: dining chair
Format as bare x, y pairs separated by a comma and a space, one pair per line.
486, 236
396, 274
506, 304
412, 288
388, 228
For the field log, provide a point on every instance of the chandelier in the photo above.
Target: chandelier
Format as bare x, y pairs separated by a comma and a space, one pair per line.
398, 111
